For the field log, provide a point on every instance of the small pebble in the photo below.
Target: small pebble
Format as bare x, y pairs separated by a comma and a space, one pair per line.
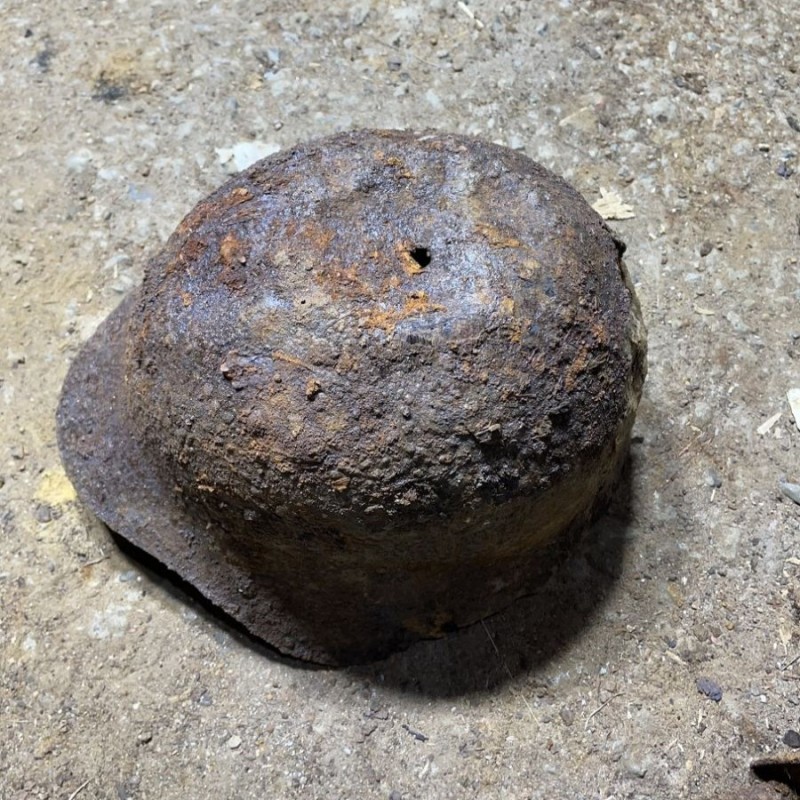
706, 248
792, 739
636, 769
713, 479
395, 795
567, 716
18, 205
145, 737
790, 490
43, 513
710, 689
234, 742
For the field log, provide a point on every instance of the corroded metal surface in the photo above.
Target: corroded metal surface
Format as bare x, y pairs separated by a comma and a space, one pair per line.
362, 387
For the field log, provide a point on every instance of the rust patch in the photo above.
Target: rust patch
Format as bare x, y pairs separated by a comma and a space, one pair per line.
239, 195
576, 368
497, 237
233, 253
415, 304
340, 484
411, 266
399, 166
313, 388
279, 355
206, 210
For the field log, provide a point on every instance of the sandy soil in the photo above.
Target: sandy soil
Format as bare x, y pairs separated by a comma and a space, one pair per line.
115, 685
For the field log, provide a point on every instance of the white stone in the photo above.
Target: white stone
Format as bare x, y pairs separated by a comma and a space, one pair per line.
793, 396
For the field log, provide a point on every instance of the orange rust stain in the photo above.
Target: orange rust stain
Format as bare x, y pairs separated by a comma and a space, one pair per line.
515, 325
341, 281
313, 388
207, 209
399, 165
313, 236
238, 195
600, 332
415, 304
196, 217
410, 265
528, 268
232, 251
576, 368
340, 484
190, 253
496, 237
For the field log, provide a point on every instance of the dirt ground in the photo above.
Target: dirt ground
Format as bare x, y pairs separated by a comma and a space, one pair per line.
118, 117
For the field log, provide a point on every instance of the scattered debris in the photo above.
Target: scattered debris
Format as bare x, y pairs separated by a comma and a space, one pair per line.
765, 427
462, 6
80, 789
791, 490
99, 560
710, 689
693, 81
583, 119
611, 206
420, 737
600, 708
793, 396
367, 729
235, 742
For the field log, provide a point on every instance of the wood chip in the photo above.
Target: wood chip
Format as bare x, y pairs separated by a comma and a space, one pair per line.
765, 427
611, 206
470, 13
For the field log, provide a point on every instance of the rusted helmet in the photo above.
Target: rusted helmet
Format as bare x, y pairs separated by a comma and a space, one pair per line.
363, 386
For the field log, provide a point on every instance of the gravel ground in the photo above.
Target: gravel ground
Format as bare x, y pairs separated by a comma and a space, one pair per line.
666, 654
